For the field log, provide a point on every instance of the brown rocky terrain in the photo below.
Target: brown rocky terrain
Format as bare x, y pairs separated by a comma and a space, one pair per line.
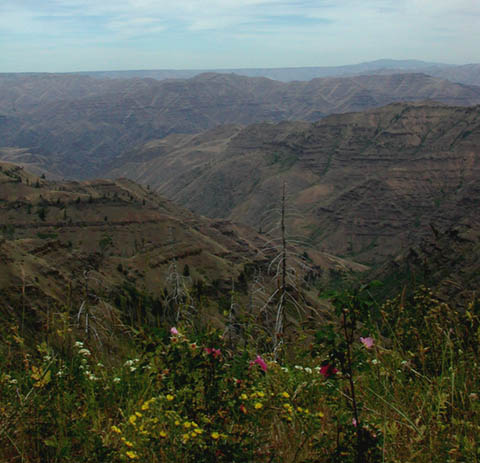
365, 184
58, 238
76, 124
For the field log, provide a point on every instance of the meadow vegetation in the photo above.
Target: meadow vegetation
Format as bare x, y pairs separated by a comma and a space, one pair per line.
396, 381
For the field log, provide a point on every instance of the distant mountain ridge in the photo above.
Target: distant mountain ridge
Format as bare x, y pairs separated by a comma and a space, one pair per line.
466, 73
77, 125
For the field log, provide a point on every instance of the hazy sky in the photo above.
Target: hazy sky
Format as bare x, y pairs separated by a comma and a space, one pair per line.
81, 35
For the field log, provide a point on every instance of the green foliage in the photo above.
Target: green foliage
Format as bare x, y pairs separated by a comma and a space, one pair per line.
389, 382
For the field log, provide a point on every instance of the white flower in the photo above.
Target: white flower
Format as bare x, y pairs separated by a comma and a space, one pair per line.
100, 365
116, 379
375, 361
132, 369
128, 363
298, 367
79, 344
308, 369
84, 352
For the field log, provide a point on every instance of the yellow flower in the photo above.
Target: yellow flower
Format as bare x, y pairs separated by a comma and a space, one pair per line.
215, 435
299, 409
195, 425
198, 430
244, 396
145, 406
132, 419
138, 414
131, 455
170, 397
285, 394
258, 405
128, 443
320, 414
177, 423
163, 434
193, 434
187, 425
116, 429
260, 394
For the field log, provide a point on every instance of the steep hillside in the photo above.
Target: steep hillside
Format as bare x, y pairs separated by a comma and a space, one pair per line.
60, 238
78, 124
366, 184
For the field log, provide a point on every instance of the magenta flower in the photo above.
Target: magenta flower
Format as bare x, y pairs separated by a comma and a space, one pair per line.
215, 352
328, 370
259, 361
354, 422
174, 331
367, 342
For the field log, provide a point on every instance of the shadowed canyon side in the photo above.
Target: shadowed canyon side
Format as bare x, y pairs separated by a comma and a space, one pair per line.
77, 125
121, 235
367, 184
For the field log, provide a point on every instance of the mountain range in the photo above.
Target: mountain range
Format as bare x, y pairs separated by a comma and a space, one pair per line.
74, 126
364, 184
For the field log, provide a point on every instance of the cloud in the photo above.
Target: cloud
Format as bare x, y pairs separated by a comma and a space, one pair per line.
244, 32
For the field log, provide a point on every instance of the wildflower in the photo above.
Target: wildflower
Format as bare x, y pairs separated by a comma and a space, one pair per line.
132, 419
354, 422
174, 331
132, 455
244, 396
128, 443
187, 425
308, 370
259, 361
285, 394
198, 431
367, 342
78, 344
215, 352
138, 414
163, 434
243, 409
116, 379
328, 370
215, 435
145, 406
84, 352
132, 369
258, 405
116, 429
298, 367
170, 397
260, 394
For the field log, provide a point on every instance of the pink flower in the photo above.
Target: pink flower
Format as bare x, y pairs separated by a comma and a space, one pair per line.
328, 370
367, 342
215, 352
259, 361
174, 331
354, 422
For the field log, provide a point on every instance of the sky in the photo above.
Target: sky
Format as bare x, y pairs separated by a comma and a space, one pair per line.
89, 35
